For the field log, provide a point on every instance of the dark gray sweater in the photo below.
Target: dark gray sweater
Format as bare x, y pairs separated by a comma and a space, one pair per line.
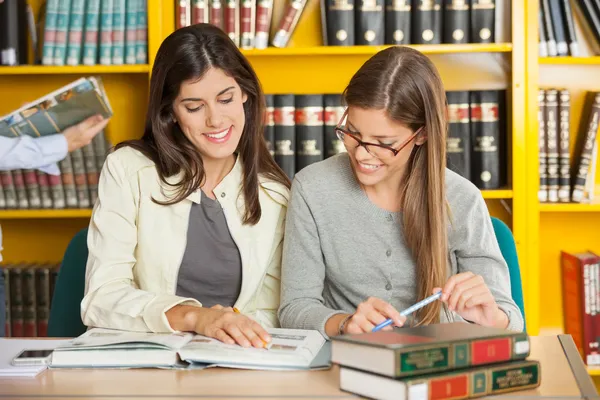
340, 248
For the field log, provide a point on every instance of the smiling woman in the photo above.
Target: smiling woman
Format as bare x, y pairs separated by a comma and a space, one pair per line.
189, 219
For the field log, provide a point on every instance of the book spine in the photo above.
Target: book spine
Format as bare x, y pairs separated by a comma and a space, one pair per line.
216, 13
543, 37
458, 143
2, 198
587, 139
551, 41
543, 156
118, 32
285, 133
142, 33
92, 175
44, 185
20, 188
90, 41
62, 27
42, 279
57, 191
50, 32
485, 139
309, 129
592, 19
247, 24
339, 16
552, 143
100, 149
427, 22
32, 187
288, 22
264, 16
199, 11
456, 22
184, 14
558, 23
397, 21
564, 159
16, 302
75, 36
490, 381
370, 19
68, 181
332, 114
79, 176
232, 20
130, 30
483, 13
29, 303
9, 40
463, 354
567, 12
106, 21
269, 124
7, 302
10, 192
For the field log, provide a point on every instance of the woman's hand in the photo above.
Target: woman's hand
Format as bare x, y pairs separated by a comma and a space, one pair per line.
228, 326
371, 313
469, 296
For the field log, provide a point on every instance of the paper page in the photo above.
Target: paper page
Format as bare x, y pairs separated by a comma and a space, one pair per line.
290, 348
96, 337
9, 348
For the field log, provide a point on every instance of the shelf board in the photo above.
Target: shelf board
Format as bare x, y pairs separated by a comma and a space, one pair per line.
497, 194
593, 371
570, 207
45, 214
370, 50
79, 69
569, 60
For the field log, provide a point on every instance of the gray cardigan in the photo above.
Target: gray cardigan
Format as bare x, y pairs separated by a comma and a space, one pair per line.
340, 248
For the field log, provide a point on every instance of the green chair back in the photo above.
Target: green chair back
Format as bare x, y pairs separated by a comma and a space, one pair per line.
65, 311
508, 249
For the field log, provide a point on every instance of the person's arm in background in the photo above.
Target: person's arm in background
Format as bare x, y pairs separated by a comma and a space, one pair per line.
25, 152
43, 153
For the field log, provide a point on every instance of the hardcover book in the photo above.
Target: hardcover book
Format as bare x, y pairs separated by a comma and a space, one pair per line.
427, 349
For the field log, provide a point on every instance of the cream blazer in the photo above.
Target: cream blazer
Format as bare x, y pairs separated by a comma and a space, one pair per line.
136, 246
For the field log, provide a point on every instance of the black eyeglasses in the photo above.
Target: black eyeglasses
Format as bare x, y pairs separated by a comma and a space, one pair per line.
351, 141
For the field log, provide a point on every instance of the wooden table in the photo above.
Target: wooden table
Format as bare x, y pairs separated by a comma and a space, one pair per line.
563, 376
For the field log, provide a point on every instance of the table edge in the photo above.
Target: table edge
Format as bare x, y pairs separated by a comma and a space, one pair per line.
582, 377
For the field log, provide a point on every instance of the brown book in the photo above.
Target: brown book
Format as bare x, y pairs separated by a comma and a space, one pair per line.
28, 294
564, 159
551, 123
10, 192
183, 12
21, 190
588, 130
7, 301
44, 185
216, 13
68, 182
42, 282
577, 298
264, 16
33, 189
247, 23
80, 177
2, 199
288, 22
91, 172
16, 301
231, 17
199, 11
543, 159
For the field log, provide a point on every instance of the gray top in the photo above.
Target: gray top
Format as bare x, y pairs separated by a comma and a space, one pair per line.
340, 248
211, 269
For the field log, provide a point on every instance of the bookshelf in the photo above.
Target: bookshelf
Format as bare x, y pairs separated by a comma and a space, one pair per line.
304, 67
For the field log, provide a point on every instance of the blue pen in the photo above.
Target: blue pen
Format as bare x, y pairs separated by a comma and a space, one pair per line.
410, 310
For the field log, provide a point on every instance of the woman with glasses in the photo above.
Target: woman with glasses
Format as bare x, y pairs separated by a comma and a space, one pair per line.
374, 230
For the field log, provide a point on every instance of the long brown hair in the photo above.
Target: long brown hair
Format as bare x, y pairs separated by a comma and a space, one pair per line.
406, 84
187, 54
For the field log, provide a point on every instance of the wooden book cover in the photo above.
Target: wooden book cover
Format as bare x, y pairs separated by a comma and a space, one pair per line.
427, 349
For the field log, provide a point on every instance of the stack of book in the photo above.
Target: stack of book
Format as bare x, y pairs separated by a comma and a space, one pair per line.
439, 361
77, 185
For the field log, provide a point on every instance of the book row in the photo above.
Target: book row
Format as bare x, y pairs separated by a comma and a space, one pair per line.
28, 291
75, 32
378, 22
563, 178
75, 187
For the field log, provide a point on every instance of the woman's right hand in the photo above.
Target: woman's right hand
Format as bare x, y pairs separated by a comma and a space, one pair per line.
371, 313
228, 326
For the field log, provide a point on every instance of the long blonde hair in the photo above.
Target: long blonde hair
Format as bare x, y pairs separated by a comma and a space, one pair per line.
407, 85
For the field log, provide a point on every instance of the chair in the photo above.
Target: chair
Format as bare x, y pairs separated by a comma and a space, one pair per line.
65, 311
508, 249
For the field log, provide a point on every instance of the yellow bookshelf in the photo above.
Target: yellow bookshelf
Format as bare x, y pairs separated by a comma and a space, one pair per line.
304, 67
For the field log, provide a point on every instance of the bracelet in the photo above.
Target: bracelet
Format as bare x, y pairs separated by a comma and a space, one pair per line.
343, 324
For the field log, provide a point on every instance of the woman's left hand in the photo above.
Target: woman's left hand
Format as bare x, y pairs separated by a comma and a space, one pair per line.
469, 296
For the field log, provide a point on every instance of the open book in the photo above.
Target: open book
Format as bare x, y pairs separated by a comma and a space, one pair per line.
98, 347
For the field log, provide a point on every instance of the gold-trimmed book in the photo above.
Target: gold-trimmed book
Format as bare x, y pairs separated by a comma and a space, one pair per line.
461, 384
